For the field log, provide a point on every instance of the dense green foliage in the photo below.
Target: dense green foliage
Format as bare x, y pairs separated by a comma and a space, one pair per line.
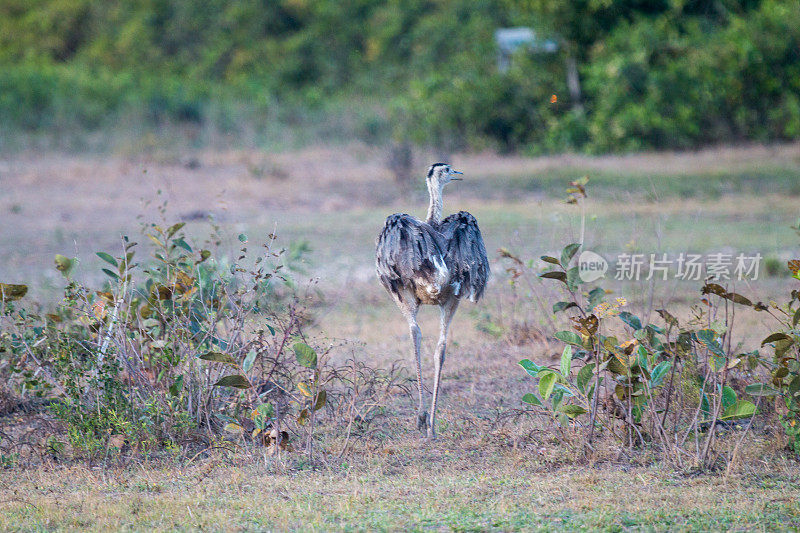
652, 74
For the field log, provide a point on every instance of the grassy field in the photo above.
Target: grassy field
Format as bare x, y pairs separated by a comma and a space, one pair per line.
484, 472
486, 490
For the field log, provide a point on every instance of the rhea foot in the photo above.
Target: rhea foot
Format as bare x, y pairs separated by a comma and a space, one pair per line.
422, 420
431, 435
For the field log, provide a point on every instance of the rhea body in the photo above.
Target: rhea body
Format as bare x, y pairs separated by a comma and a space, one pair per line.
432, 262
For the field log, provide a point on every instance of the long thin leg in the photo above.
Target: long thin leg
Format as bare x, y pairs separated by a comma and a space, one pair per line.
416, 339
447, 311
409, 308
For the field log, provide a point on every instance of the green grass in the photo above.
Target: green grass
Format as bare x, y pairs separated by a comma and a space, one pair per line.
743, 224
505, 492
652, 186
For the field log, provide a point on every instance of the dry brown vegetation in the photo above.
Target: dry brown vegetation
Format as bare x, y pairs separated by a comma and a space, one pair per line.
493, 467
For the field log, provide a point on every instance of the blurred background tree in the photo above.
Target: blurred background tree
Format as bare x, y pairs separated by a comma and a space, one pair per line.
627, 75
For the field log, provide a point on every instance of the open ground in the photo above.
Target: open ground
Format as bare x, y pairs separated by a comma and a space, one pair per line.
327, 205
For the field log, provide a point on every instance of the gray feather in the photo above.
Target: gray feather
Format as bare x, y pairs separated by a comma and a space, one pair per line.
409, 251
465, 254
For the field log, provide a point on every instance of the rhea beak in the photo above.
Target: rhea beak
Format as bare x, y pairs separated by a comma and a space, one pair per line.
456, 172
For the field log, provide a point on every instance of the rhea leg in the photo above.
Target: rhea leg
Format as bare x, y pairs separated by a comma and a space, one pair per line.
447, 311
409, 307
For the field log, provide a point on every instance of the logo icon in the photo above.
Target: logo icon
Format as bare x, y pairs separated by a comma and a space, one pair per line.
591, 266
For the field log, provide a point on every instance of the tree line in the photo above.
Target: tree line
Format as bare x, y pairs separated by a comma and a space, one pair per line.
627, 74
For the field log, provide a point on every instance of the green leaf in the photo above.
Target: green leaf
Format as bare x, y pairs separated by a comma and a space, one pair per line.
177, 385
555, 274
782, 346
322, 396
530, 367
630, 319
728, 397
717, 363
112, 275
236, 381
704, 406
305, 354
738, 299
562, 306
183, 244
546, 384
174, 228
107, 258
264, 413
596, 296
794, 386
590, 392
658, 373
218, 357
566, 360
569, 252
559, 387
616, 366
247, 364
572, 410
668, 318
760, 389
776, 337
242, 237
741, 409
551, 260
573, 278
708, 338
584, 376
266, 410
796, 318
10, 292
532, 399
641, 360
569, 337
556, 399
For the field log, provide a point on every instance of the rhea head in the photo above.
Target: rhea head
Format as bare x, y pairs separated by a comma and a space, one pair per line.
440, 174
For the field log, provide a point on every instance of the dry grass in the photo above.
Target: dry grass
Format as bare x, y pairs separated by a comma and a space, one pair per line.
482, 473
468, 488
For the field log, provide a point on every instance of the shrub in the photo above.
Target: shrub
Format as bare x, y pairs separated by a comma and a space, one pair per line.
188, 348
658, 83
784, 367
673, 385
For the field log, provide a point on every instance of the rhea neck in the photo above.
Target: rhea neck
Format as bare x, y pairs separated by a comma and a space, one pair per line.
435, 207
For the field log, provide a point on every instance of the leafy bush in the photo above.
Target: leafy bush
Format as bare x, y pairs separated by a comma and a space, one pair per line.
637, 375
785, 365
191, 347
674, 385
655, 83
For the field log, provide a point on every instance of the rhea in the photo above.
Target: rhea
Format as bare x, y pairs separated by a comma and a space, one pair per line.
435, 262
